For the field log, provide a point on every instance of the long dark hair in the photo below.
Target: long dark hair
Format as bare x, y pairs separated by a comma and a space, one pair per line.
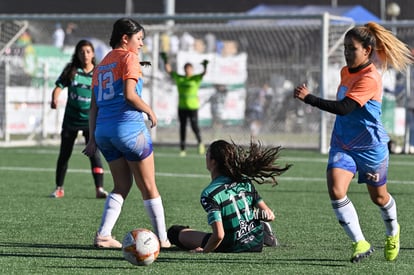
254, 162
71, 68
123, 26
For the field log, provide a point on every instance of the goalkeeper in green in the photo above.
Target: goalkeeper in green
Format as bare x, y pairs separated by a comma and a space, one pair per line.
188, 101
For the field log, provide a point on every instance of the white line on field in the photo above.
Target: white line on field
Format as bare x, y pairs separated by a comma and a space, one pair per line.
162, 174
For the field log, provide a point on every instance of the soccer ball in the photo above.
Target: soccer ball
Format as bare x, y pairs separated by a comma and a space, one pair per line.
140, 246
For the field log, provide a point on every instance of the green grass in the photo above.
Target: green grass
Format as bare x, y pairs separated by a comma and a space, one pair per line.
39, 235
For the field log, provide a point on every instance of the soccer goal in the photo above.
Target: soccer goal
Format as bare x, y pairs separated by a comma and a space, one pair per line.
254, 64
10, 32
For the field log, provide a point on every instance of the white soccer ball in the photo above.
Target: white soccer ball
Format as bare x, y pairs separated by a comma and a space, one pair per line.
140, 247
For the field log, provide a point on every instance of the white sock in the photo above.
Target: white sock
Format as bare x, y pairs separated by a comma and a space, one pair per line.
155, 211
389, 215
348, 218
112, 210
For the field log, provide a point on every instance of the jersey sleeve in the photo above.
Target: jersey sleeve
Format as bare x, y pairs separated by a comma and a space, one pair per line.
174, 75
132, 69
59, 83
363, 90
212, 208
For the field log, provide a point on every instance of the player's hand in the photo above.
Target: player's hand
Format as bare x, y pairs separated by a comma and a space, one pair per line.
197, 250
266, 215
164, 57
301, 92
90, 149
152, 118
205, 62
53, 104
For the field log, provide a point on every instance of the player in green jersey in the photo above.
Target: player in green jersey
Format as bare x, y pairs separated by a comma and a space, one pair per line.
236, 212
188, 101
77, 77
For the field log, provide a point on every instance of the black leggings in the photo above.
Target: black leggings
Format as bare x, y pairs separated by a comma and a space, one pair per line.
68, 138
183, 115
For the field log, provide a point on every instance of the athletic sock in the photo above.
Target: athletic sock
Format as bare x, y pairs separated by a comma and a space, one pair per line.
98, 174
112, 210
389, 215
348, 218
155, 211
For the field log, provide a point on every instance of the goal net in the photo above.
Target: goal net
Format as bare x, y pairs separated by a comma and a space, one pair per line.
254, 65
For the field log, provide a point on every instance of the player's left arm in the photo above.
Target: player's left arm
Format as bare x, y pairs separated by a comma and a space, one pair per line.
265, 214
216, 237
204, 63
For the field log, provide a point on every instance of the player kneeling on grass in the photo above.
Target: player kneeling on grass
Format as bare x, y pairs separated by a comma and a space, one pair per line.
236, 212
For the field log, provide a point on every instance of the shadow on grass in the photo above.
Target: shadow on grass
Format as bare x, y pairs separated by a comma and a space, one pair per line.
241, 258
53, 246
235, 259
47, 253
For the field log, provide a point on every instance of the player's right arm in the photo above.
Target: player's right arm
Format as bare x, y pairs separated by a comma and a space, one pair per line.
167, 65
136, 101
55, 97
91, 147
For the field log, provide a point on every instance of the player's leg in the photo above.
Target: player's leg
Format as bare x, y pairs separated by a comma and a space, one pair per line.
338, 183
67, 140
97, 170
122, 178
182, 117
196, 129
388, 208
374, 173
186, 238
341, 170
144, 175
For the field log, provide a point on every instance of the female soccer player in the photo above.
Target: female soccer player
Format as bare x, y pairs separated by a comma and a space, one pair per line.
188, 101
77, 76
359, 140
120, 132
232, 202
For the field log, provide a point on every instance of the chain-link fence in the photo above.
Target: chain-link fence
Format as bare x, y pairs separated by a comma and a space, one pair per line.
255, 62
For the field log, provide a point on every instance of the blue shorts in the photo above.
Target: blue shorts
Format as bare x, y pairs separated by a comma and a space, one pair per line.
371, 165
129, 140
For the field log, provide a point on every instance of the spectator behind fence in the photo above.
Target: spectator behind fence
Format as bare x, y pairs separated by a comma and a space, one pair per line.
58, 36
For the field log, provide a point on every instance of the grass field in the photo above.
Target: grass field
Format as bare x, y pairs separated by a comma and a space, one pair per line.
40, 235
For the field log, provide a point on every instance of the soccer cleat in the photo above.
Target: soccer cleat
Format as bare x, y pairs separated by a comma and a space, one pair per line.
269, 237
392, 246
362, 249
165, 244
183, 153
58, 193
201, 149
105, 242
101, 193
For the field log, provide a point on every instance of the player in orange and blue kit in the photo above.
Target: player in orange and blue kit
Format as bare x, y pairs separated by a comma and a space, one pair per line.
359, 142
119, 131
